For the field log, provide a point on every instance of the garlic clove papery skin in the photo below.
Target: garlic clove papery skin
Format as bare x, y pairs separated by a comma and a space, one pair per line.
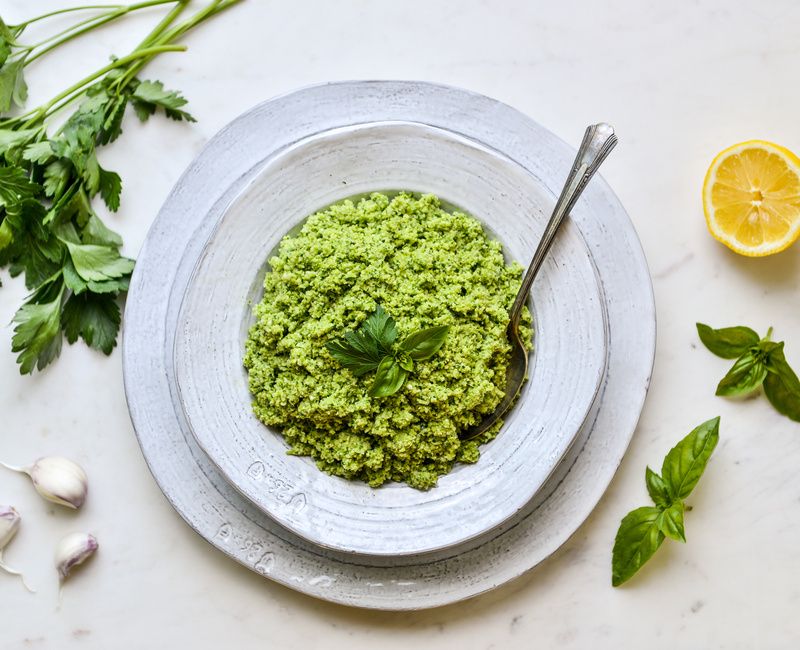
72, 550
60, 480
9, 525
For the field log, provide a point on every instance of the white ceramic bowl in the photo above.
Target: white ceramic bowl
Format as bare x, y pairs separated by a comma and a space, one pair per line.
566, 371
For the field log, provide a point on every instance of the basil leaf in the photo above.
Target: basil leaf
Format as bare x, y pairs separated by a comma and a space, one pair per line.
782, 386
423, 344
364, 344
370, 348
657, 488
764, 349
643, 530
405, 362
638, 537
746, 375
728, 342
382, 328
670, 522
389, 378
361, 351
684, 464
359, 358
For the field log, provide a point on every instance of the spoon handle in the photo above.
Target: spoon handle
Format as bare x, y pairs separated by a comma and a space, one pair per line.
598, 141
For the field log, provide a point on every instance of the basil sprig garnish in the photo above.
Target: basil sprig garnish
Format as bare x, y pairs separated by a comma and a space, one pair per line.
372, 347
642, 531
759, 362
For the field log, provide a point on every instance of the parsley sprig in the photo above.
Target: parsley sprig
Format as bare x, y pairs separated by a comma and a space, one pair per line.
759, 362
372, 348
50, 231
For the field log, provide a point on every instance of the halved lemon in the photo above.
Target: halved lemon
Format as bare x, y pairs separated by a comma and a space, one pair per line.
751, 198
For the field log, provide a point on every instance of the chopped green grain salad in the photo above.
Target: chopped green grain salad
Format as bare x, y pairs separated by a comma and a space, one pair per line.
407, 259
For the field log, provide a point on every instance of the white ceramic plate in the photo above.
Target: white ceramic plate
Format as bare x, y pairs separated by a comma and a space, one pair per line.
227, 520
567, 366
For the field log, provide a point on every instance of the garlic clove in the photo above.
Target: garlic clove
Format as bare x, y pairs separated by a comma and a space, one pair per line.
72, 550
58, 480
9, 525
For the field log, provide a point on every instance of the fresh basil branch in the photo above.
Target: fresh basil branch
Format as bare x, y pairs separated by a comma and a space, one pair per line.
642, 531
372, 347
759, 362
50, 231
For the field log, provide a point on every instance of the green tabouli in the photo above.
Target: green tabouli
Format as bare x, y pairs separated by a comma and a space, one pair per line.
426, 267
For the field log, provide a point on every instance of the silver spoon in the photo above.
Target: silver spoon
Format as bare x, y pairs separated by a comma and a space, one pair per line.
598, 141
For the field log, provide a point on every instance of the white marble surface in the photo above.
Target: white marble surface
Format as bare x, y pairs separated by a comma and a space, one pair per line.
679, 84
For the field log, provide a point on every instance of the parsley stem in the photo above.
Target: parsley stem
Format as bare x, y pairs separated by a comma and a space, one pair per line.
212, 9
57, 12
76, 89
176, 32
64, 11
94, 21
148, 40
165, 22
119, 63
89, 24
159, 40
